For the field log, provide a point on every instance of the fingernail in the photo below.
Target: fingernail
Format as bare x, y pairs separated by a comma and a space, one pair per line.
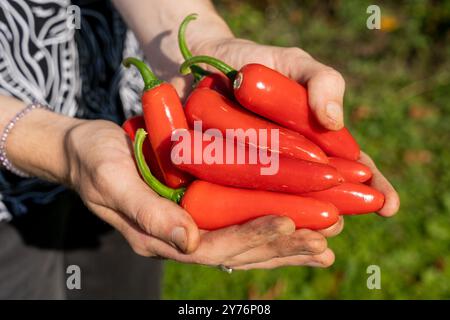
334, 114
179, 238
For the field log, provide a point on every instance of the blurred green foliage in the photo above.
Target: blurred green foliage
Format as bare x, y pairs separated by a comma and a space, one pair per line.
398, 107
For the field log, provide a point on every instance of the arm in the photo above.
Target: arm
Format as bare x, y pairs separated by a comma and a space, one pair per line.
155, 24
41, 134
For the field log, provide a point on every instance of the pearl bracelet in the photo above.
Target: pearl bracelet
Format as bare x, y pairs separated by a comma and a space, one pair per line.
4, 161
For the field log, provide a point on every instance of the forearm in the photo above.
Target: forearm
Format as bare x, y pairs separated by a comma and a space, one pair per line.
155, 24
36, 144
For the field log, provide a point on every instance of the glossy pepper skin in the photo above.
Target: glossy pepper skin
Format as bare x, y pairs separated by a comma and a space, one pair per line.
351, 198
293, 175
276, 97
352, 171
163, 114
231, 206
203, 79
217, 82
217, 112
213, 206
130, 126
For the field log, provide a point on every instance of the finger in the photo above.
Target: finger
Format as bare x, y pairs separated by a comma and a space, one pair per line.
155, 215
301, 242
254, 233
141, 242
326, 95
148, 246
218, 246
379, 182
134, 236
162, 219
334, 230
326, 86
323, 260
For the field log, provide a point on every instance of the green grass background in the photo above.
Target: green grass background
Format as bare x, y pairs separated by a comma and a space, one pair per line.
397, 105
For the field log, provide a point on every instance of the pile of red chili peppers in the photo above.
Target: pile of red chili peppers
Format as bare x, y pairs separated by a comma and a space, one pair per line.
318, 179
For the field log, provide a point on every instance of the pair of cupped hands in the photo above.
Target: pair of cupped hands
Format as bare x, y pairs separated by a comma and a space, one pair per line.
103, 172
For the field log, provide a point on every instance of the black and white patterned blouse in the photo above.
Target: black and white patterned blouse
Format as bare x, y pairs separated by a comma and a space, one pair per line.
77, 72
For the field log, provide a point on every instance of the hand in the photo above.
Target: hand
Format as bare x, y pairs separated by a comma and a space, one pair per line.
102, 171
325, 86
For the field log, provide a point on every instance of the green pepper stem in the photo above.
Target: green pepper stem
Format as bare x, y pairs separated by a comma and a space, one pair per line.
150, 80
174, 195
197, 72
182, 36
230, 72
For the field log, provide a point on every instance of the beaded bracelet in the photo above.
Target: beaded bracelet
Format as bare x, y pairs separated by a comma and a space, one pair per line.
4, 161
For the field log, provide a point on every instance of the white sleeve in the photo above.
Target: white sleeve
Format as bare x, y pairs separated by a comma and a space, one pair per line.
4, 213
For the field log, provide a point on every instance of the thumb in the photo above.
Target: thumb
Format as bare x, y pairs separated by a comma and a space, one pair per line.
326, 95
326, 89
159, 217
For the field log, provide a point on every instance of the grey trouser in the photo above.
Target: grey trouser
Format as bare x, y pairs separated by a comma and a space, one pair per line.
37, 249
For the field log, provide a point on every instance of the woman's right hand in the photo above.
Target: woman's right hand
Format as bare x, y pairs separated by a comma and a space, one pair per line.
102, 170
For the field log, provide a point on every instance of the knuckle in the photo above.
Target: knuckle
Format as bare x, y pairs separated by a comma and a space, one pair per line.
281, 55
269, 228
254, 240
332, 74
263, 230
297, 52
254, 231
142, 250
148, 247
300, 243
144, 219
161, 216
281, 225
316, 245
286, 246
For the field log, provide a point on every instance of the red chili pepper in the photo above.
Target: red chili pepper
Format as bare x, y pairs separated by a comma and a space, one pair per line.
352, 171
213, 206
293, 175
351, 198
203, 78
217, 82
278, 98
235, 206
163, 114
217, 112
130, 126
